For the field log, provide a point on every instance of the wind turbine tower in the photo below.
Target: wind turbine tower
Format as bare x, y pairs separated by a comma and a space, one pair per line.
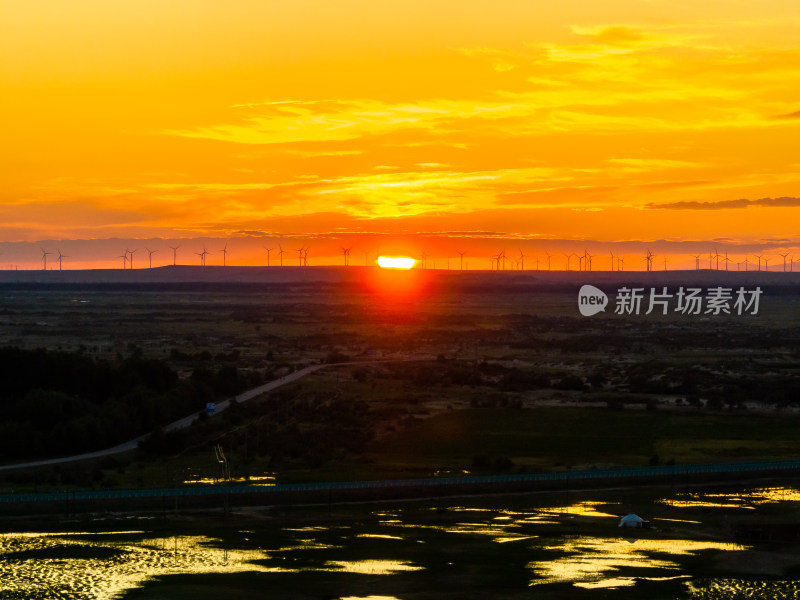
44, 259
784, 260
150, 256
175, 254
268, 251
461, 256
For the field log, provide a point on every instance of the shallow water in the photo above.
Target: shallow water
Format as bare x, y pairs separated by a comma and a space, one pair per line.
479, 544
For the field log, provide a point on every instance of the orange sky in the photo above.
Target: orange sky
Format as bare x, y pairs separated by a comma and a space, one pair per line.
482, 125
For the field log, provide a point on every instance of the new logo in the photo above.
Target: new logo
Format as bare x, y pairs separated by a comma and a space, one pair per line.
591, 300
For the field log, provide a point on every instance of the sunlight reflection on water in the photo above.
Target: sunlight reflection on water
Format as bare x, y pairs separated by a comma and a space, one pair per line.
63, 565
598, 560
588, 553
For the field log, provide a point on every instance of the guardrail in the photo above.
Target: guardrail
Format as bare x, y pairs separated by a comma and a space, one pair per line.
434, 482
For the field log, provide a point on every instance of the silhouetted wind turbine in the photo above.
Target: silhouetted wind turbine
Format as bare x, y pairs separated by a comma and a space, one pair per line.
548, 260
696, 262
784, 260
225, 255
131, 253
150, 255
44, 259
124, 258
569, 256
175, 254
305, 256
521, 261
268, 251
202, 256
461, 256
346, 255
612, 261
726, 260
60, 257
758, 256
766, 264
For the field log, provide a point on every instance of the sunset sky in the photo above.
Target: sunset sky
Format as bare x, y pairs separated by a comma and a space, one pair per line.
431, 126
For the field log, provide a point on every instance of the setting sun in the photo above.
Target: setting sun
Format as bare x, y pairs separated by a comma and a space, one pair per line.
391, 262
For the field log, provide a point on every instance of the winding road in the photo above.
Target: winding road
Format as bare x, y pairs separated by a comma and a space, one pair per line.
188, 420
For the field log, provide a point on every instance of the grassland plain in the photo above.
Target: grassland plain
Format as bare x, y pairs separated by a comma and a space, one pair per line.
522, 381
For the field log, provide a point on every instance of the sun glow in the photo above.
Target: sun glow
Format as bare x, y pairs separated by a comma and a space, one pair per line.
391, 262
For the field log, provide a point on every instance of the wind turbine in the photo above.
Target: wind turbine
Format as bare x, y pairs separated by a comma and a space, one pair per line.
175, 254
424, 255
548, 260
305, 256
124, 258
131, 253
612, 261
461, 256
500, 257
346, 255
649, 258
225, 255
44, 259
726, 260
280, 254
766, 264
268, 251
60, 257
569, 256
589, 258
696, 262
150, 255
202, 256
784, 260
716, 255
521, 261
758, 256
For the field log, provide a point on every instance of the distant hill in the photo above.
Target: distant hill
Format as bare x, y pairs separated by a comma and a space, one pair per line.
340, 274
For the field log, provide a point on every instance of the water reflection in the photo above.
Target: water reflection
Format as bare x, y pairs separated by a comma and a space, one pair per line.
749, 499
371, 567
598, 561
101, 566
475, 540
